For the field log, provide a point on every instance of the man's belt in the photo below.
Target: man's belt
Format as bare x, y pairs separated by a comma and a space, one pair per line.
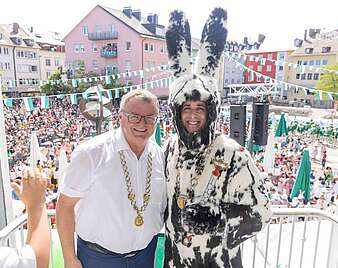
102, 250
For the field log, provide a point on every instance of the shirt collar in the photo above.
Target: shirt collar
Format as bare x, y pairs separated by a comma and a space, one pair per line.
122, 144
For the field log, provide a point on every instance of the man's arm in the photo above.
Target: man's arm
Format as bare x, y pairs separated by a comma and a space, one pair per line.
65, 222
247, 205
32, 193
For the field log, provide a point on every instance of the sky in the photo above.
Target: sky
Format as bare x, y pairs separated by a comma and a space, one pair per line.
280, 21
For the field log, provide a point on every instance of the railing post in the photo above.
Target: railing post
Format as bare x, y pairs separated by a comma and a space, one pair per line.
5, 189
332, 257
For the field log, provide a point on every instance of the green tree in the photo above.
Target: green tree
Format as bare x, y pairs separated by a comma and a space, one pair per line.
329, 80
56, 85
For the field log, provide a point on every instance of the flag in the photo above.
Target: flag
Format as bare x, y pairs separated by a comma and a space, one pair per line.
44, 102
28, 104
8, 103
73, 98
117, 93
110, 94
74, 83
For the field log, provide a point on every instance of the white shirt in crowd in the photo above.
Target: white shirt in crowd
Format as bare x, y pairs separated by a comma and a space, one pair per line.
104, 214
12, 258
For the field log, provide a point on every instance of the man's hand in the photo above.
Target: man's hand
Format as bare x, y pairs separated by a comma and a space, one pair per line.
72, 263
32, 189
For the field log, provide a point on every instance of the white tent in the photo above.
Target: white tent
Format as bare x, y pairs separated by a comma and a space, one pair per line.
35, 154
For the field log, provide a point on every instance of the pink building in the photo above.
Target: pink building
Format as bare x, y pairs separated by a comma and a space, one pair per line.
110, 41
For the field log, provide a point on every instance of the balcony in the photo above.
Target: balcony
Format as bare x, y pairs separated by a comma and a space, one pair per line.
102, 35
106, 53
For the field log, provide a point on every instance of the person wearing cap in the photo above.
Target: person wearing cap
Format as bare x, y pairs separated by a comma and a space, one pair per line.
216, 197
113, 193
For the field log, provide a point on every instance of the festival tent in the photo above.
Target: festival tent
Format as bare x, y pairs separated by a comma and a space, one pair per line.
302, 183
282, 128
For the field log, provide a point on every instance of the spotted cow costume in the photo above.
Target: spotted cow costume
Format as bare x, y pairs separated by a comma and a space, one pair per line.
216, 199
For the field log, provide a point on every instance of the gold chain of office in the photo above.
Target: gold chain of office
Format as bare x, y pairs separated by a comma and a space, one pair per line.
131, 195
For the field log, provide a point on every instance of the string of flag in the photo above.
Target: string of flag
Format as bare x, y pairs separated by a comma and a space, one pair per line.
263, 60
113, 93
12, 83
252, 73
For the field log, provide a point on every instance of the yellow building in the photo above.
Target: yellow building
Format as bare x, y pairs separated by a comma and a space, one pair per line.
308, 62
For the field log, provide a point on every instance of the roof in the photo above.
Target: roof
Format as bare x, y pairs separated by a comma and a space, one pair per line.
7, 35
132, 22
47, 37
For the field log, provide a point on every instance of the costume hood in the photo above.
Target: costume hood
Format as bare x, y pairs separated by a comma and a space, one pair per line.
200, 85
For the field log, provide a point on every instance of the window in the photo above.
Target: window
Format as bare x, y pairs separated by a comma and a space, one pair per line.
281, 57
146, 47
269, 56
324, 62
299, 62
7, 66
297, 76
128, 46
94, 46
127, 65
259, 68
280, 68
48, 74
33, 68
113, 28
317, 62
85, 30
151, 47
311, 62
309, 50
316, 76
48, 62
326, 49
162, 50
82, 49
0, 50
57, 62
303, 77
94, 64
268, 68
309, 76
76, 48
305, 62
251, 67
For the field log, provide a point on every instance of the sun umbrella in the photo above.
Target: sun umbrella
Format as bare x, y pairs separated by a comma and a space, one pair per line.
282, 129
269, 154
35, 154
302, 183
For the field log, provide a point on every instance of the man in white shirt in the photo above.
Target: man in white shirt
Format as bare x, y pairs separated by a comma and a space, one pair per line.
113, 195
31, 190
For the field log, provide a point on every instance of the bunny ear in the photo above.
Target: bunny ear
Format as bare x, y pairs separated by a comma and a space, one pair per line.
179, 44
212, 43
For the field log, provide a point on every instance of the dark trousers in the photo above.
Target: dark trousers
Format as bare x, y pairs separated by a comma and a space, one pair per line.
93, 258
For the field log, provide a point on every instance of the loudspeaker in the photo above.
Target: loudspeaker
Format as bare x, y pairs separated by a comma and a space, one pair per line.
237, 123
261, 115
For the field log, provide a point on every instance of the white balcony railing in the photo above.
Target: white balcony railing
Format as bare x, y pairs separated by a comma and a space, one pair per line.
297, 237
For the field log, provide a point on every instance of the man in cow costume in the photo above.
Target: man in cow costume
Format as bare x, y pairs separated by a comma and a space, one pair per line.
216, 199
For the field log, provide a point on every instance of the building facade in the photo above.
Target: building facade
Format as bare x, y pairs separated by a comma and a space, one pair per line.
308, 59
22, 57
110, 41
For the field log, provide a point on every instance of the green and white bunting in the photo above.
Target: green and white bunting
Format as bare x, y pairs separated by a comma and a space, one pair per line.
73, 99
44, 102
28, 104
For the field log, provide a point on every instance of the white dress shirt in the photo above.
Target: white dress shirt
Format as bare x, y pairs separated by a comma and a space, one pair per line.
12, 258
104, 214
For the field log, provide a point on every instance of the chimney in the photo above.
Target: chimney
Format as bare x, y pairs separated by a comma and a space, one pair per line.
137, 14
150, 18
305, 35
15, 29
127, 11
155, 19
31, 29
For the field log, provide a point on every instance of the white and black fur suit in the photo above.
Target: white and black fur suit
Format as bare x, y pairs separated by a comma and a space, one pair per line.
229, 204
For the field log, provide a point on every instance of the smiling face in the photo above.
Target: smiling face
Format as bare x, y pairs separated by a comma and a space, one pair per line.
194, 115
137, 132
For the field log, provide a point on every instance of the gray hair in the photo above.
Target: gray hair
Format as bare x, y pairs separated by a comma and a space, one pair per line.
143, 95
